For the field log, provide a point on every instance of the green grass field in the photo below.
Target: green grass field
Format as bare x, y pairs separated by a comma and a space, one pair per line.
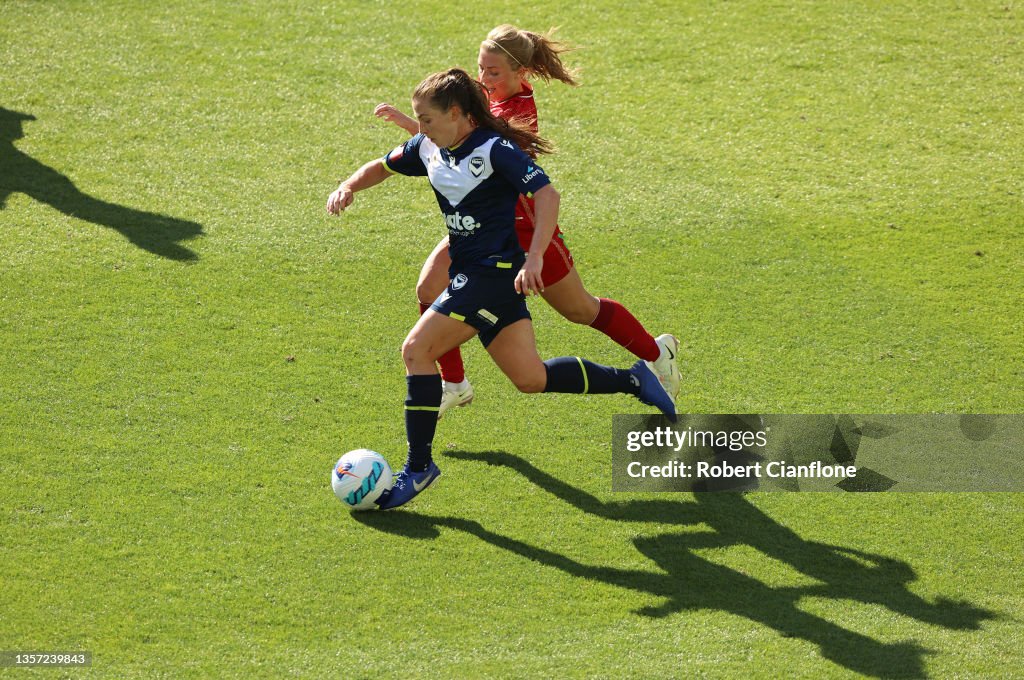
822, 199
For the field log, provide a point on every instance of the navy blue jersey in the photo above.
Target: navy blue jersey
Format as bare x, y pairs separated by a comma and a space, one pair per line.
477, 185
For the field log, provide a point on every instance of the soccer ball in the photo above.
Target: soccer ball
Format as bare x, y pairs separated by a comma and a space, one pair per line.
360, 478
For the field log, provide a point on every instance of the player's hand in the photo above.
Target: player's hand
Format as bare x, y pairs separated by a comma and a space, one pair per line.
339, 200
387, 112
393, 115
528, 280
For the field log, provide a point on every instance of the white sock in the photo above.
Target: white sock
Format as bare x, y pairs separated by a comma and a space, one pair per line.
456, 387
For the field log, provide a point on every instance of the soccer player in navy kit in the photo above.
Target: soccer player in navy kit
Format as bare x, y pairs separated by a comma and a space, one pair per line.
477, 168
507, 57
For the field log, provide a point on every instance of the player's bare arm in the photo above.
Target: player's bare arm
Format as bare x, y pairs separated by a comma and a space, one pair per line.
369, 175
546, 202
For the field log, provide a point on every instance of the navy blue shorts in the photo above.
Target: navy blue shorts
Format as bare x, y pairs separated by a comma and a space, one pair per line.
486, 300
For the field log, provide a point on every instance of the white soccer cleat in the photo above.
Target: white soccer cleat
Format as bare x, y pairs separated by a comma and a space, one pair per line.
666, 366
455, 394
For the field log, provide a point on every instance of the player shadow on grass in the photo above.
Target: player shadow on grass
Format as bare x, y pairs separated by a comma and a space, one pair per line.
688, 582
20, 173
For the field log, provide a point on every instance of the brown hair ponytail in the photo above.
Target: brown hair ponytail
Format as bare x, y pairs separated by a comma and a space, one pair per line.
455, 87
539, 54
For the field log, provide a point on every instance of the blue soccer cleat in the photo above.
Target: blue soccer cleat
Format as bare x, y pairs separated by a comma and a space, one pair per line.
652, 392
408, 485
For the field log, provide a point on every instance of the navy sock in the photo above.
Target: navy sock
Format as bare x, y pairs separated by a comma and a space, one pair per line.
579, 376
421, 406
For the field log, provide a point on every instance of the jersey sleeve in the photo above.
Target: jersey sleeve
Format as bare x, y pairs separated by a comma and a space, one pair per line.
405, 158
521, 171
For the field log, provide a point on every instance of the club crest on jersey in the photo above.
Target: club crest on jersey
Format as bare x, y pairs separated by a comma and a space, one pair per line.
459, 281
476, 165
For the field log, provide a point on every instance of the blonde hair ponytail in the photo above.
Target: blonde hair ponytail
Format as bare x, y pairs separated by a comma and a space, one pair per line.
455, 87
539, 54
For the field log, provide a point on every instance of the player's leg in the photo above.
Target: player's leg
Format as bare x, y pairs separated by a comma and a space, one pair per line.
569, 298
572, 300
433, 335
514, 350
432, 282
567, 295
434, 275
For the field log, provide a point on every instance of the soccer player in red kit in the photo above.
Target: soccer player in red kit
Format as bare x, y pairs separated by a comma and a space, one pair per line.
507, 57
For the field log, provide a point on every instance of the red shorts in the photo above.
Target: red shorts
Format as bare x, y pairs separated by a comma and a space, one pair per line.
557, 258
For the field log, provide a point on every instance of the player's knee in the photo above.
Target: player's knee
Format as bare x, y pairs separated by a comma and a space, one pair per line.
581, 314
532, 382
427, 290
582, 311
414, 351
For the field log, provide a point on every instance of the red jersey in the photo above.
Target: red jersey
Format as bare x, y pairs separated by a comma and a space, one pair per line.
520, 106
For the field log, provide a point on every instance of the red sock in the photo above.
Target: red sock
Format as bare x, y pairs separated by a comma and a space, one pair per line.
452, 369
617, 323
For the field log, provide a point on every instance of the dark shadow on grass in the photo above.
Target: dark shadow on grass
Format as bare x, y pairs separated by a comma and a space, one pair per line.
20, 173
687, 581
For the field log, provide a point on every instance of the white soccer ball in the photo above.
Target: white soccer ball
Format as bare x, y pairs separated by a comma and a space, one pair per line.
361, 477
